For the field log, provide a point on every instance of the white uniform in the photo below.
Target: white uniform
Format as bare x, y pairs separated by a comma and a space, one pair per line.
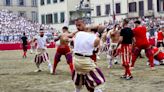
42, 55
85, 68
84, 43
41, 42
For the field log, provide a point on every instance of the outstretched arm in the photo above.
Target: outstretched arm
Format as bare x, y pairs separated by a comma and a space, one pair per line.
58, 38
72, 34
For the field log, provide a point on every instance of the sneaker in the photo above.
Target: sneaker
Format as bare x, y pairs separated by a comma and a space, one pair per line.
147, 64
115, 62
129, 77
162, 64
98, 57
123, 77
38, 70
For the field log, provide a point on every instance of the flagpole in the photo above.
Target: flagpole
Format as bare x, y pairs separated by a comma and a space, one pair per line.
113, 12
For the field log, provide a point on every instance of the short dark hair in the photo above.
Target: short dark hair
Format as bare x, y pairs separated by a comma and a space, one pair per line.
126, 21
41, 29
94, 30
137, 22
77, 19
66, 28
80, 19
24, 33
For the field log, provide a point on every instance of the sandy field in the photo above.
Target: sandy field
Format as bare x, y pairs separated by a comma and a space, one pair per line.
17, 75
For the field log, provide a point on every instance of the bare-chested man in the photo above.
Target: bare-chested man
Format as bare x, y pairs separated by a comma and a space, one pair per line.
64, 49
114, 35
102, 45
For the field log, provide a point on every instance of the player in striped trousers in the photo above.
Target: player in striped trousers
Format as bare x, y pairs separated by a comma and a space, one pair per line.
42, 55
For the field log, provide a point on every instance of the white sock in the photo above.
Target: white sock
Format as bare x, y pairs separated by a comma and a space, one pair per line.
50, 66
77, 90
98, 90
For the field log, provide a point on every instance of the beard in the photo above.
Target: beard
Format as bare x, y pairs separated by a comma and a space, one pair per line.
41, 35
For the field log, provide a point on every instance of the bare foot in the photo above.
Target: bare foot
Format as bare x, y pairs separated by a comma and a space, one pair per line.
152, 68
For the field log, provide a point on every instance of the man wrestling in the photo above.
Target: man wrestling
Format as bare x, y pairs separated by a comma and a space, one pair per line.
141, 42
63, 49
86, 71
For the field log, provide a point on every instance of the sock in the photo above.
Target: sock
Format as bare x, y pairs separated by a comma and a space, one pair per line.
31, 51
151, 59
109, 58
71, 67
38, 66
128, 70
25, 53
125, 71
54, 67
77, 90
110, 62
50, 66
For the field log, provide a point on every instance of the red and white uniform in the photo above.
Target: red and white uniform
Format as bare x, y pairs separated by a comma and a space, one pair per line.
126, 49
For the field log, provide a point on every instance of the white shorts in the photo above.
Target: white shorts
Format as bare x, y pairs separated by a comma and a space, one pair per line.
113, 46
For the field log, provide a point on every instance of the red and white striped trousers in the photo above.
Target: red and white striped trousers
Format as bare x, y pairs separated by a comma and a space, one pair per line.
126, 54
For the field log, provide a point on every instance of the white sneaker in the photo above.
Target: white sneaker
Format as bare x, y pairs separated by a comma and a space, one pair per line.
38, 70
97, 90
98, 57
115, 62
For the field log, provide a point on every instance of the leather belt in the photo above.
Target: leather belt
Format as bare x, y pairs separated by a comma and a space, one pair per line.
78, 54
